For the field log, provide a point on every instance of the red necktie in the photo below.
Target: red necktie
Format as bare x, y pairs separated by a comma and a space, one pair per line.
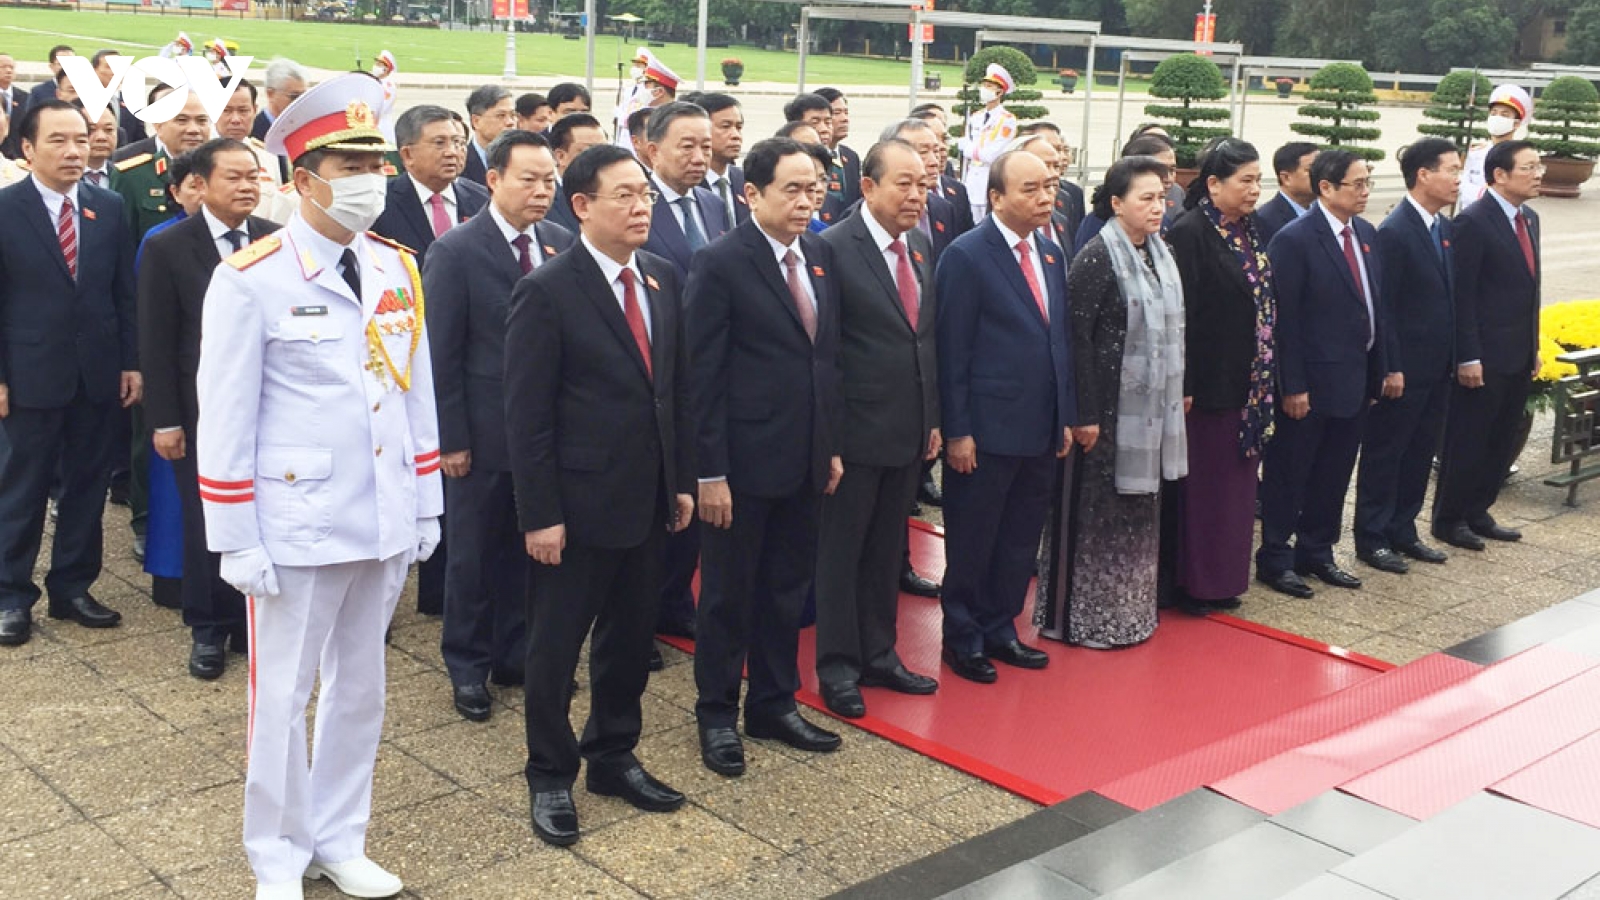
67, 235
797, 293
635, 317
906, 281
441, 222
523, 258
1355, 273
1032, 279
1526, 242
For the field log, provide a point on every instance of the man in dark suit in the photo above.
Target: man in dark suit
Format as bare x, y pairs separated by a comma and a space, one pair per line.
13, 103
490, 111
884, 268
686, 217
430, 197
764, 339
285, 81
723, 176
68, 356
1009, 408
846, 162
1496, 280
569, 137
1292, 164
467, 281
1069, 204
1414, 244
46, 89
602, 456
949, 187
174, 271
1330, 337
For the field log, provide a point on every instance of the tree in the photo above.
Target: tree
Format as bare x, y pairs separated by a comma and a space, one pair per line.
1161, 18
1189, 77
1469, 33
1253, 23
1566, 120
1338, 93
1397, 29
1459, 106
1583, 35
1340, 30
1022, 73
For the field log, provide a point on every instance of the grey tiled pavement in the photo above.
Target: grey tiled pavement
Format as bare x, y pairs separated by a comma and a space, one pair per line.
122, 776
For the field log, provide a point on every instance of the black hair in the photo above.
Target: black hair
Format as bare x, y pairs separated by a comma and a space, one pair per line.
160, 90
761, 163
662, 117
1287, 158
203, 159
1503, 158
530, 103
1119, 180
583, 174
100, 56
408, 128
713, 102
561, 129
830, 94
796, 109
639, 121
787, 129
872, 164
501, 147
28, 127
1036, 127
245, 83
819, 153
566, 92
1331, 166
1424, 154
180, 167
925, 110
1221, 158
59, 49
1144, 128
1146, 145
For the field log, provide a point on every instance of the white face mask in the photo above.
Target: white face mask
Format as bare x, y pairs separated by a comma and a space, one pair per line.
357, 199
1499, 126
636, 72
987, 94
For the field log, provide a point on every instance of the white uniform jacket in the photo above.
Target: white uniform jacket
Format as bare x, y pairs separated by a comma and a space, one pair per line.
308, 443
989, 133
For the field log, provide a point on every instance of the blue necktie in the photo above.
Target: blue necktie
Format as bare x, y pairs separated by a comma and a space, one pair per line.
691, 228
1438, 241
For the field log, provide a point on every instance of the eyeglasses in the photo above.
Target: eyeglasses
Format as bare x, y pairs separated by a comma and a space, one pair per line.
1361, 184
441, 144
629, 198
1532, 168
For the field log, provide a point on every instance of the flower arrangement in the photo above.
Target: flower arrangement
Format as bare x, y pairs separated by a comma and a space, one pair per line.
1068, 73
732, 70
1563, 328
732, 61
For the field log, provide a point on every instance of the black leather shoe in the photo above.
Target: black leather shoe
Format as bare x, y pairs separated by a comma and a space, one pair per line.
1286, 582
636, 786
676, 627
1016, 653
555, 819
844, 700
86, 611
1384, 560
207, 661
722, 751
928, 492
656, 663
1329, 573
504, 676
1495, 532
791, 729
971, 666
472, 701
1458, 535
918, 586
1421, 552
899, 679
16, 626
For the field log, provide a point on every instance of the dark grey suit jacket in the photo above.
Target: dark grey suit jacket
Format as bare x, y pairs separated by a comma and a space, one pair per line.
891, 377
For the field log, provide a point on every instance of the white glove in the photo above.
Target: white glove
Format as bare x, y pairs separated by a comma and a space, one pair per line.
427, 537
250, 572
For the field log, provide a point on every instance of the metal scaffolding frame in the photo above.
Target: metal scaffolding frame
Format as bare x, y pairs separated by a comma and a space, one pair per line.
1272, 67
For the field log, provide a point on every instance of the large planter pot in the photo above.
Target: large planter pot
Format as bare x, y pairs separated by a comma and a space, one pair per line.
932, 81
1284, 90
1564, 177
1067, 82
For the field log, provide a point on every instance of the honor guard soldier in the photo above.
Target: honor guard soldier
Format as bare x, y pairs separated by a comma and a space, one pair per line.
988, 133
319, 469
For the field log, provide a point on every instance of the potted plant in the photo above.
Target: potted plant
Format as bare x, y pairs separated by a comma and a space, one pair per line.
1190, 79
1566, 129
732, 71
1285, 86
1459, 106
1338, 93
1022, 101
1068, 79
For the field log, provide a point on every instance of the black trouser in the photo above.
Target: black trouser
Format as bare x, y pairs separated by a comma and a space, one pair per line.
431, 574
485, 626
681, 554
212, 608
74, 440
1396, 460
859, 556
993, 518
1305, 476
615, 591
139, 451
754, 578
1480, 441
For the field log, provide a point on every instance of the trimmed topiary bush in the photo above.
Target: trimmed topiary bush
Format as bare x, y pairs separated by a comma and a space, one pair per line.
1190, 78
1022, 72
1338, 93
1459, 106
1566, 119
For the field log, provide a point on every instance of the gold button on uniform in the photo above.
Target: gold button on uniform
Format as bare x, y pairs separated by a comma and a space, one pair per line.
376, 406
378, 452
289, 477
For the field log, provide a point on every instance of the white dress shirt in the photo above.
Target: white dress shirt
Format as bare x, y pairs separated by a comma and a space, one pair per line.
1427, 217
426, 196
612, 270
1361, 263
535, 252
782, 250
52, 205
1034, 256
672, 197
219, 232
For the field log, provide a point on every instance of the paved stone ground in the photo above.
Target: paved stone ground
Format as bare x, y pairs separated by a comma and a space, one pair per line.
122, 776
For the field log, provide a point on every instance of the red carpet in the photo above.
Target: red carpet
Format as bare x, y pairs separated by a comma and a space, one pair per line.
1094, 718
1566, 783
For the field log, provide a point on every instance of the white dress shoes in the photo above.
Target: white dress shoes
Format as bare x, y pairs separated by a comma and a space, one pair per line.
359, 877
283, 890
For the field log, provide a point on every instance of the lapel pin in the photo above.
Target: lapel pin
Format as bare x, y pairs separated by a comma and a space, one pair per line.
939, 226
651, 280
88, 214
916, 256
1049, 259
817, 271
1365, 249
549, 250
1447, 245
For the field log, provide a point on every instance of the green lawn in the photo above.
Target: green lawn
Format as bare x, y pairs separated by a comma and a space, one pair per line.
29, 34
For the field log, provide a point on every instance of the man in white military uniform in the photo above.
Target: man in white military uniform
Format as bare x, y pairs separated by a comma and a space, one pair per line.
988, 133
319, 467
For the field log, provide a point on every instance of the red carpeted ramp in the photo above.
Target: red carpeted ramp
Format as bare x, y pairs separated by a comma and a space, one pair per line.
1566, 782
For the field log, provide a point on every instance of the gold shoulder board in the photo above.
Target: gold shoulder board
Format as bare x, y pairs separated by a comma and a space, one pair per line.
133, 162
255, 252
392, 243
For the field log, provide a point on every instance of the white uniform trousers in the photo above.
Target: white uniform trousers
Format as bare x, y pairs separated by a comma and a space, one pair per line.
329, 619
976, 180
